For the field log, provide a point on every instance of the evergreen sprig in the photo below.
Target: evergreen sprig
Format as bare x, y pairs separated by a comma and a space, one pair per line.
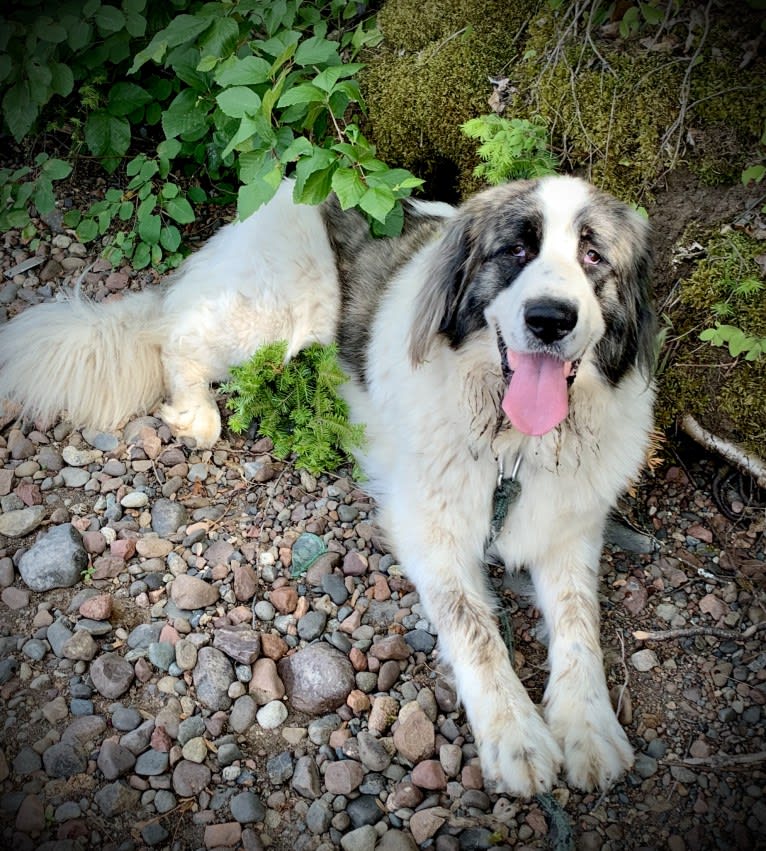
296, 404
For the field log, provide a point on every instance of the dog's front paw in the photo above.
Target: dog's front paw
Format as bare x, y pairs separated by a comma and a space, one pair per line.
596, 749
518, 753
200, 423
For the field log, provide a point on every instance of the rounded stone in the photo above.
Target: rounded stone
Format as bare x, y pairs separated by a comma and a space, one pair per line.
318, 679
112, 675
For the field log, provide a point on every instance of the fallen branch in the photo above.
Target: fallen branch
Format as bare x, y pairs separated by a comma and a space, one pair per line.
723, 760
748, 463
692, 631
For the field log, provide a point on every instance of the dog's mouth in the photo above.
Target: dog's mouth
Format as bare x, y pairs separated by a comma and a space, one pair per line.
536, 398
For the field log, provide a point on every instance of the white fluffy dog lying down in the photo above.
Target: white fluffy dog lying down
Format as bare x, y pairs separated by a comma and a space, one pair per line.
509, 338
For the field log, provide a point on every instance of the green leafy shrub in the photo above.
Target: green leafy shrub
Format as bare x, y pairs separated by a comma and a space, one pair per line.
510, 149
21, 186
226, 96
296, 404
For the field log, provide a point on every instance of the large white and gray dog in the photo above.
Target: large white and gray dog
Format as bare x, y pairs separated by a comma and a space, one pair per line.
509, 338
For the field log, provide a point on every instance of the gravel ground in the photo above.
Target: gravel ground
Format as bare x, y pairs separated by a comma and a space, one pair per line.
173, 676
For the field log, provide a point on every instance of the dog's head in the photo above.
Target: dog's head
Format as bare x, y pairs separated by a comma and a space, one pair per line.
559, 271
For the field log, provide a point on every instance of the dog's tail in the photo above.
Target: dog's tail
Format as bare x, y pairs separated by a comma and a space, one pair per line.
98, 362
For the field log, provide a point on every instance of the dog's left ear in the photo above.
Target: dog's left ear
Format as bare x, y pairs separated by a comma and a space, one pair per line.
437, 303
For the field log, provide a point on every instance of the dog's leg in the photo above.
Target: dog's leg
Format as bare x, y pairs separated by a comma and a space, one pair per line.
443, 557
577, 705
191, 410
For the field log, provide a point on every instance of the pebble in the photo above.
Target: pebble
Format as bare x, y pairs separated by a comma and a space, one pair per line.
317, 678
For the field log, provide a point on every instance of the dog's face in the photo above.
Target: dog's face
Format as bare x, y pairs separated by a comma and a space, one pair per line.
560, 273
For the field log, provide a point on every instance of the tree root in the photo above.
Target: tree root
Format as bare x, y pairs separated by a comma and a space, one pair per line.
745, 461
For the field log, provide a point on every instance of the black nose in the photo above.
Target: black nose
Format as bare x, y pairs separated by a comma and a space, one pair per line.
550, 319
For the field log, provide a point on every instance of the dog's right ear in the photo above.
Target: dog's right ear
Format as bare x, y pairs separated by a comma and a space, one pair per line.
438, 302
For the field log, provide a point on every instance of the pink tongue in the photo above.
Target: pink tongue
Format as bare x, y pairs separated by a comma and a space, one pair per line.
537, 397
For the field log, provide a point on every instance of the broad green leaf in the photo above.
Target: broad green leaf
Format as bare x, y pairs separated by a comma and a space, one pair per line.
39, 77
135, 24
393, 224
169, 149
327, 79
377, 202
180, 209
186, 116
141, 256
43, 196
149, 228
315, 188
396, 179
124, 98
72, 218
170, 238
87, 230
62, 80
50, 31
185, 28
57, 169
247, 71
303, 93
248, 127
238, 101
299, 147
220, 39
348, 186
109, 19
169, 190
317, 51
754, 173
134, 166
18, 110
254, 195
79, 35
125, 211
207, 63
133, 6
107, 135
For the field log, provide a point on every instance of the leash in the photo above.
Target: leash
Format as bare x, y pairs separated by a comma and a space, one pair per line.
507, 491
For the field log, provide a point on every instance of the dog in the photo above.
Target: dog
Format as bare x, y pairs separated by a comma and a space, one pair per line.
500, 356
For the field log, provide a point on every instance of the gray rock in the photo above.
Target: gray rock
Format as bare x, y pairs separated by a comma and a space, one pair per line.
162, 654
228, 753
112, 675
75, 477
311, 625
190, 728
190, 778
317, 679
58, 633
104, 440
396, 840
125, 718
364, 810
361, 839
318, 817
144, 634
55, 561
114, 759
213, 674
116, 798
306, 778
246, 808
151, 763
241, 643
373, 755
645, 765
242, 715
168, 516
280, 768
35, 649
64, 760
20, 522
138, 740
27, 761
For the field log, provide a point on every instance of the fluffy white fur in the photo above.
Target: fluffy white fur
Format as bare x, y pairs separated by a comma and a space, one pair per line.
271, 277
429, 461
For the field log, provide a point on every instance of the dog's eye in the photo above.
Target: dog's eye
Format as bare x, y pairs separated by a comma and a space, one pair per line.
592, 257
519, 251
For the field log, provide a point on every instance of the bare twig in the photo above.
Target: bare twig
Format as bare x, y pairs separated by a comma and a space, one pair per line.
691, 632
723, 760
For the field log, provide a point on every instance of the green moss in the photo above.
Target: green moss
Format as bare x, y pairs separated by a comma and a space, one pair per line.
430, 75
611, 109
724, 393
